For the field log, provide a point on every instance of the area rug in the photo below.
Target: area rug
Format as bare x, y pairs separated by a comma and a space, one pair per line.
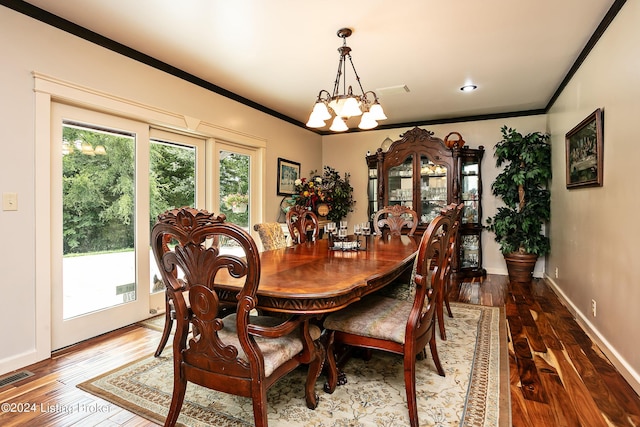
473, 393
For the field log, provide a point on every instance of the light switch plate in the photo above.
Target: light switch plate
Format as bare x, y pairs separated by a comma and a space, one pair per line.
9, 201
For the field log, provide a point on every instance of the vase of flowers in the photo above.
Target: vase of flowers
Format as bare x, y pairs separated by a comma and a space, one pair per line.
330, 189
236, 202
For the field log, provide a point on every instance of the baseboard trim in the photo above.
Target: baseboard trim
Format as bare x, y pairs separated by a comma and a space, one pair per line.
629, 374
19, 361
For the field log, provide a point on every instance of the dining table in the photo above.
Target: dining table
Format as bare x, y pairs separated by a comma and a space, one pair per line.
311, 278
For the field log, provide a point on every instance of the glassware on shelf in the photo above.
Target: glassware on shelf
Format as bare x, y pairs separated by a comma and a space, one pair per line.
469, 250
470, 212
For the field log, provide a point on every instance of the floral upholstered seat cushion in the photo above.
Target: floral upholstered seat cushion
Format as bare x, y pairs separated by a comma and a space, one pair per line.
271, 235
275, 351
389, 322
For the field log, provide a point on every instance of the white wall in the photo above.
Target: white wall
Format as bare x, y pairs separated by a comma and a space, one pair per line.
594, 234
346, 152
27, 46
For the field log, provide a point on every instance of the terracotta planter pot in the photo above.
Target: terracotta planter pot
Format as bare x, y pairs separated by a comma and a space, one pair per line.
520, 267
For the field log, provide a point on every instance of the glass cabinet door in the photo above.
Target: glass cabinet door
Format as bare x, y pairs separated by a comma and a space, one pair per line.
400, 188
470, 196
372, 190
433, 189
469, 251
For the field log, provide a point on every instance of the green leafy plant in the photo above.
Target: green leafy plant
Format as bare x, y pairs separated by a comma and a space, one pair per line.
522, 186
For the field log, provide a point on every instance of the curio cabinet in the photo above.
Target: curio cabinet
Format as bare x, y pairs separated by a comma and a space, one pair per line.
426, 173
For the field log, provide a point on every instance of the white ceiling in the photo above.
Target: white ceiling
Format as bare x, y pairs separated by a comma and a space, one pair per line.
280, 53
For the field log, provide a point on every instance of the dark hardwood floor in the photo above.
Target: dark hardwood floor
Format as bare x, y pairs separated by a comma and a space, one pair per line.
558, 375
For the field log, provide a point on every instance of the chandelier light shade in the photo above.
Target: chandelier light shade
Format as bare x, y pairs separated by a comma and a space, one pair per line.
338, 125
342, 105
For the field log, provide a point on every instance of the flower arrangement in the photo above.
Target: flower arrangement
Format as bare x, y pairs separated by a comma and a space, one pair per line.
330, 188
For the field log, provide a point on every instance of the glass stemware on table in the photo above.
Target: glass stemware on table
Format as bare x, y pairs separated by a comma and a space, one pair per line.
338, 235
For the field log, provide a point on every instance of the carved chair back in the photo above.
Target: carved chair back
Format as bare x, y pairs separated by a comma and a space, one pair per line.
223, 353
300, 220
444, 281
396, 217
431, 260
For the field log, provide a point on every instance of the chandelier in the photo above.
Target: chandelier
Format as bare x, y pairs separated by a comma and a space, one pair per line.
346, 104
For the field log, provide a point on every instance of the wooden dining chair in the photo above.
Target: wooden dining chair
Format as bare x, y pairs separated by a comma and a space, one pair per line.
396, 218
271, 235
300, 221
240, 354
398, 326
442, 298
170, 312
403, 287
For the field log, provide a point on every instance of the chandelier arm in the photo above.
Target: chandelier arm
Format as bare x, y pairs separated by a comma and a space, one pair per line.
326, 99
375, 97
366, 99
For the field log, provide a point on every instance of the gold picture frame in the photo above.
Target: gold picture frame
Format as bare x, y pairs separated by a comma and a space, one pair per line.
584, 152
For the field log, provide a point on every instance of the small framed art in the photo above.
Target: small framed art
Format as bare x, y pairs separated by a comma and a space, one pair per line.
288, 172
584, 152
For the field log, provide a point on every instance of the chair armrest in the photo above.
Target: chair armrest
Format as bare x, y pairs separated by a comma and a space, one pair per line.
274, 331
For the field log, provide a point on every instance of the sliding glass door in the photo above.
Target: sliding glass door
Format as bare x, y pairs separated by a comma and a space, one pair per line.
236, 184
97, 207
177, 178
110, 178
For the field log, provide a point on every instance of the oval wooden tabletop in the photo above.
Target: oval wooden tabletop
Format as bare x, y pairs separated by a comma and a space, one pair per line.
309, 278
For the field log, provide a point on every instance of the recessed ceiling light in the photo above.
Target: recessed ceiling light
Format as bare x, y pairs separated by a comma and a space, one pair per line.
468, 88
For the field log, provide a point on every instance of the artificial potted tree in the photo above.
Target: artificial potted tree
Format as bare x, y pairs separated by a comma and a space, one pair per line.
523, 187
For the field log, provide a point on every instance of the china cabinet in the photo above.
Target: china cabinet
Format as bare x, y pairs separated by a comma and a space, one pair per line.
424, 173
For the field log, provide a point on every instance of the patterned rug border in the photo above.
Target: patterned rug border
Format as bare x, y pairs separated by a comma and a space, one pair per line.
495, 392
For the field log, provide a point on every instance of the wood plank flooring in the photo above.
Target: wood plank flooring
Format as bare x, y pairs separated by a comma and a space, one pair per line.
558, 375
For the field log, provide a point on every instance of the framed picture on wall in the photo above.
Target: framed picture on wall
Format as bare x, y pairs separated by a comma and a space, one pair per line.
288, 172
584, 152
